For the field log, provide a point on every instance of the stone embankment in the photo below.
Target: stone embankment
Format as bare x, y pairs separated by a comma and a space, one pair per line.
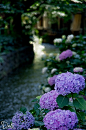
14, 59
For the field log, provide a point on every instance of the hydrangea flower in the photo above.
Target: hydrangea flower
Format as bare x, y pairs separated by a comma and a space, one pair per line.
65, 54
74, 53
44, 70
51, 80
74, 45
22, 121
51, 55
66, 83
57, 40
77, 56
78, 69
60, 120
70, 37
53, 70
47, 89
48, 100
57, 57
63, 37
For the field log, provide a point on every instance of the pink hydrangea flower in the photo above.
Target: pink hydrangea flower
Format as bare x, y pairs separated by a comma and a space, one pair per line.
51, 81
65, 54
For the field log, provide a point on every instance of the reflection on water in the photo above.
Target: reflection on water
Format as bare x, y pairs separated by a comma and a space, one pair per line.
21, 87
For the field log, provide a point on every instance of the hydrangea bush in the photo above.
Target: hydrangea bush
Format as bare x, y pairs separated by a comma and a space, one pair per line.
63, 103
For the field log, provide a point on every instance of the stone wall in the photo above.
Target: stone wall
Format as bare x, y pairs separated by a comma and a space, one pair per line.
14, 59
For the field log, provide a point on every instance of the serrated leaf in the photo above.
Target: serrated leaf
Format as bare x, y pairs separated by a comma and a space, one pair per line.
79, 103
62, 101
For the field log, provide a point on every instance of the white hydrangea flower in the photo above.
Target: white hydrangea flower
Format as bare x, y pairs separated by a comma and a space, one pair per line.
70, 37
57, 57
53, 70
48, 78
74, 45
51, 55
63, 37
74, 53
44, 70
68, 41
57, 40
47, 89
77, 56
78, 69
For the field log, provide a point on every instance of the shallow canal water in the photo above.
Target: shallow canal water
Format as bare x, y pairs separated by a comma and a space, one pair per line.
21, 86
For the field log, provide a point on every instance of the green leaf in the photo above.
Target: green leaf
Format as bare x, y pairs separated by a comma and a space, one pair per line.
37, 112
81, 115
23, 109
36, 106
62, 101
79, 103
35, 100
39, 123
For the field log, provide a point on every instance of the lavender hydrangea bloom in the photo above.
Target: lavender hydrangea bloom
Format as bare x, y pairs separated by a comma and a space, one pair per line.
48, 100
51, 81
22, 121
60, 120
66, 83
65, 54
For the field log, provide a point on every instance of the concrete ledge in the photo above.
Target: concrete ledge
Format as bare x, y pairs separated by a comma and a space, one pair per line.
14, 59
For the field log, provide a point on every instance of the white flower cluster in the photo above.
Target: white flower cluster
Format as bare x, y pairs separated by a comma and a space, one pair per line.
69, 38
57, 40
51, 55
53, 70
44, 70
57, 57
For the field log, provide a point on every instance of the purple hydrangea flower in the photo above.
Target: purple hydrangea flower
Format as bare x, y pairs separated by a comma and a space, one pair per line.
65, 54
51, 81
60, 120
48, 100
22, 121
78, 69
66, 83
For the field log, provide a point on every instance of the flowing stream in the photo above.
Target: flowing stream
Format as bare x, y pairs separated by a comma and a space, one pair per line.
20, 87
